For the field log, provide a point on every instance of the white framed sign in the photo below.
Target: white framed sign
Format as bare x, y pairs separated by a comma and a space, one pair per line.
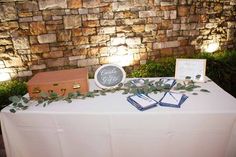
191, 69
109, 76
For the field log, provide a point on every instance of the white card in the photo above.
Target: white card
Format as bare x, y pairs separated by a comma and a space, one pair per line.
172, 98
143, 100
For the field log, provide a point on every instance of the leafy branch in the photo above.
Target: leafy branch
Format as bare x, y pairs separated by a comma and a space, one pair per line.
147, 86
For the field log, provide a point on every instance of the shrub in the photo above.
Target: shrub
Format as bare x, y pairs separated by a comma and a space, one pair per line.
11, 88
162, 68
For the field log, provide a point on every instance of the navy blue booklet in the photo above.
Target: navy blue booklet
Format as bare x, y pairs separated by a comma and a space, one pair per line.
142, 101
171, 99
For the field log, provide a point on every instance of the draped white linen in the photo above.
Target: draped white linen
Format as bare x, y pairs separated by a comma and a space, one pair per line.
108, 126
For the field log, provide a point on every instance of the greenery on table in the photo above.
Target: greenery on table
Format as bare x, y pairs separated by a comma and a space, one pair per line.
221, 68
148, 86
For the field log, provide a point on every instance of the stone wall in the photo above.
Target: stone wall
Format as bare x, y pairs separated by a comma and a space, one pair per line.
41, 35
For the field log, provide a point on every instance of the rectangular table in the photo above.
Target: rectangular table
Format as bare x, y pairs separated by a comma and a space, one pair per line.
108, 126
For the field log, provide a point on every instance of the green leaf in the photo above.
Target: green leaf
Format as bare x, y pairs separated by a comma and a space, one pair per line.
68, 100
15, 99
45, 104
12, 110
205, 90
188, 77
198, 77
120, 85
25, 107
43, 95
70, 95
20, 105
40, 101
53, 95
25, 100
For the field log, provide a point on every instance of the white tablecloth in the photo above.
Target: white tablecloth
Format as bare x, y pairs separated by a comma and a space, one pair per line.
108, 126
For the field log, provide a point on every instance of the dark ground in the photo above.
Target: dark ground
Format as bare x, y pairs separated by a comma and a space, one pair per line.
2, 150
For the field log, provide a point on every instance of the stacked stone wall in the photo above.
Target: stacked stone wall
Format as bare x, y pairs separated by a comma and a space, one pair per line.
43, 35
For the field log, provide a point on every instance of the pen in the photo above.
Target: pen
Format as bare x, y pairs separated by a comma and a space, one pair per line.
173, 96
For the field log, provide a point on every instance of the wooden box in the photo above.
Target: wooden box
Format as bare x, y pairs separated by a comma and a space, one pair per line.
61, 82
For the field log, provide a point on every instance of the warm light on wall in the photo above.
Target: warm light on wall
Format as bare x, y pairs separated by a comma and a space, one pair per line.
124, 60
121, 55
211, 46
4, 76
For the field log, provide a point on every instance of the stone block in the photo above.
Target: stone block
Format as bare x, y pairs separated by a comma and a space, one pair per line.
183, 10
95, 10
56, 54
24, 73
166, 52
59, 62
88, 31
13, 61
64, 35
168, 44
87, 62
80, 40
4, 34
125, 15
2, 49
218, 8
26, 19
80, 51
99, 39
77, 32
121, 6
123, 29
93, 16
133, 41
47, 38
42, 48
72, 58
37, 28
83, 11
38, 18
147, 14
4, 26
27, 6
72, 21
91, 3
25, 14
103, 51
166, 24
20, 43
38, 67
74, 4
138, 28
211, 25
93, 52
8, 12
92, 23
107, 30
150, 27
117, 41
5, 42
108, 22
52, 4
24, 52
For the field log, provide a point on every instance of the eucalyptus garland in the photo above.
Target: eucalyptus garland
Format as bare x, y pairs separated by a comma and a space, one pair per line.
148, 86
